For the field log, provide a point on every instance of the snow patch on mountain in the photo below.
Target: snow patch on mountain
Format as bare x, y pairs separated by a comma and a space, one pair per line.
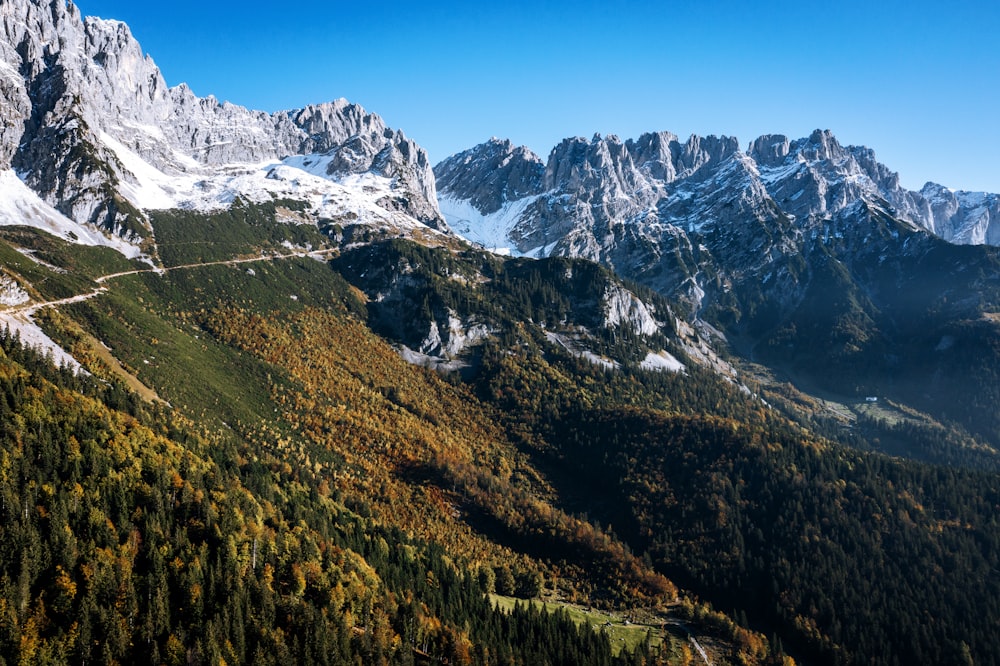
663, 361
148, 188
20, 206
33, 336
353, 196
488, 230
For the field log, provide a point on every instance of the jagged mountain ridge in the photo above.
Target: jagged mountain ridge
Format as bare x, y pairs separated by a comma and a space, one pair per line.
625, 182
695, 220
101, 139
93, 128
807, 254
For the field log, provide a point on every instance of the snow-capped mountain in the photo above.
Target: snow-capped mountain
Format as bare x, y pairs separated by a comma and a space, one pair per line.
663, 211
962, 217
589, 187
92, 128
491, 175
808, 255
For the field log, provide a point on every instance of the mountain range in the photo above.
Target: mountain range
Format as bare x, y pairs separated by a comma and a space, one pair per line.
92, 128
806, 254
537, 207
275, 390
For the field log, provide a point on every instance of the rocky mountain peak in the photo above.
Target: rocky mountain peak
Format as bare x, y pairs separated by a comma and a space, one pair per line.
655, 154
78, 92
821, 145
328, 125
580, 165
502, 172
701, 152
770, 150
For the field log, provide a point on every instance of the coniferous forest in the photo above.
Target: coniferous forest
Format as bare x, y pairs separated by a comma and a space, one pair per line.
258, 476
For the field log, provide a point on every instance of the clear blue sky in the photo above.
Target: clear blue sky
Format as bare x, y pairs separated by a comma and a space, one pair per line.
917, 81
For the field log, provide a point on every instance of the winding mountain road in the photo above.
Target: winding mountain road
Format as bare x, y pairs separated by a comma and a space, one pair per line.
224, 262
19, 317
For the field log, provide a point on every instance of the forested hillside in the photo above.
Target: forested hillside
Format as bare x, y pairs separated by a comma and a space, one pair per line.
290, 490
850, 557
251, 473
130, 538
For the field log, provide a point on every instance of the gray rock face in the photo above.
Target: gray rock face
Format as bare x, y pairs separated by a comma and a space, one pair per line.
770, 150
819, 177
15, 106
50, 140
962, 217
697, 217
491, 174
66, 83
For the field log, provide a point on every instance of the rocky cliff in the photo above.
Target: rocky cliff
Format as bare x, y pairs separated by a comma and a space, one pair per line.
693, 216
81, 102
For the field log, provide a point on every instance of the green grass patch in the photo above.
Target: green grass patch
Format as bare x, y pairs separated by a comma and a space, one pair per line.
54, 267
187, 237
623, 636
263, 286
152, 323
891, 413
172, 354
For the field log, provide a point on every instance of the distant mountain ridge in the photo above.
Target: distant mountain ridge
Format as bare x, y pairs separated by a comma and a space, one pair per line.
659, 179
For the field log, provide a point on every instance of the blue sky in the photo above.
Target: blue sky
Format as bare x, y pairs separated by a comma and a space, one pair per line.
917, 81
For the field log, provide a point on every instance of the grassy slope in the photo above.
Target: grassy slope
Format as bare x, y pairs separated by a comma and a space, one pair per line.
623, 636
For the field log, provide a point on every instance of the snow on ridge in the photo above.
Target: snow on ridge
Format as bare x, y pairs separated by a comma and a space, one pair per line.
20, 206
317, 165
771, 175
975, 199
152, 189
9, 71
301, 177
490, 231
